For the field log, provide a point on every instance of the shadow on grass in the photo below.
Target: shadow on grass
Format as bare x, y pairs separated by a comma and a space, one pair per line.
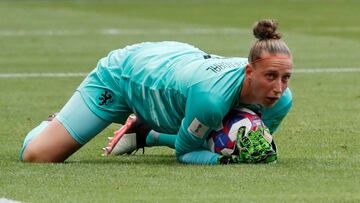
129, 159
170, 160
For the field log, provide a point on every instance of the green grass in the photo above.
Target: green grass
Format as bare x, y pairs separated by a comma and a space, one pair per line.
319, 140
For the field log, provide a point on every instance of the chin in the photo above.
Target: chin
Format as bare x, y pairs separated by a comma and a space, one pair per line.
268, 105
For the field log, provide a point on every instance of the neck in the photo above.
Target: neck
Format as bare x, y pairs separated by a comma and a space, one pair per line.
246, 96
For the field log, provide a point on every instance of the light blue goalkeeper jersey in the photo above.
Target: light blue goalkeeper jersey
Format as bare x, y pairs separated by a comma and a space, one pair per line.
178, 89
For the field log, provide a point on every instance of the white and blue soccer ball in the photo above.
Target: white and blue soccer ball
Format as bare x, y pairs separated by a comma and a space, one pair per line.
224, 141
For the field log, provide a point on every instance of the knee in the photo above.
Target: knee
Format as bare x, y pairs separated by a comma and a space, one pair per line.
36, 156
50, 144
32, 152
26, 155
29, 155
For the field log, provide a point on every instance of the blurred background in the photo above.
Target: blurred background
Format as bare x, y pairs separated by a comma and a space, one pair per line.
47, 47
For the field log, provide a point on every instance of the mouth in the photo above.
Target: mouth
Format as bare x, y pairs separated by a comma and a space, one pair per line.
272, 100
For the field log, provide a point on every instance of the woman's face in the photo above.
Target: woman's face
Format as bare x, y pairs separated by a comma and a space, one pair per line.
269, 79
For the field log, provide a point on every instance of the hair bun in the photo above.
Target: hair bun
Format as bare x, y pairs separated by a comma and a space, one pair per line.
266, 29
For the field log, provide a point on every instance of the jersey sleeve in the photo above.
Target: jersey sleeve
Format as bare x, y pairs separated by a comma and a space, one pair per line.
201, 156
204, 113
273, 117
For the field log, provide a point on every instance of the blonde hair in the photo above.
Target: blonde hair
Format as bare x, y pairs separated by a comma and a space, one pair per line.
269, 41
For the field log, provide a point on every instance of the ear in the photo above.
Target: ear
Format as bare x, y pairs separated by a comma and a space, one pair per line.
248, 71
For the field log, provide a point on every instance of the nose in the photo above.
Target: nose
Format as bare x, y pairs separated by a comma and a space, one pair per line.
278, 87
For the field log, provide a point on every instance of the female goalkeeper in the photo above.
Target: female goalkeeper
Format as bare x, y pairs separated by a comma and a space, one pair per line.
175, 88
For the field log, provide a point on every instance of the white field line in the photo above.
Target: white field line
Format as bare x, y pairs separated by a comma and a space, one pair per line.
327, 70
125, 31
144, 31
4, 200
67, 75
41, 75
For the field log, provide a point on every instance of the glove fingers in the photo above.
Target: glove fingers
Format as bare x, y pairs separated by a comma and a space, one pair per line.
254, 148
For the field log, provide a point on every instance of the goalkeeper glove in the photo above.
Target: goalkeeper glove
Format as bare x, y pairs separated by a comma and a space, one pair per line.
223, 160
254, 148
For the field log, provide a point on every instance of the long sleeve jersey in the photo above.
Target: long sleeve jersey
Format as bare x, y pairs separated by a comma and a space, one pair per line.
179, 89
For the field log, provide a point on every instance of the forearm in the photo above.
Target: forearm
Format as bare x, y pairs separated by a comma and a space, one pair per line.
201, 156
186, 142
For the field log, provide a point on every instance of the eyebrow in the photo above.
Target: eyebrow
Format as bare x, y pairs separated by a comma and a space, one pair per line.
276, 71
271, 71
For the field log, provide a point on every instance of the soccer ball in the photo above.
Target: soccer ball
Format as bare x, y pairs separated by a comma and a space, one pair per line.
224, 141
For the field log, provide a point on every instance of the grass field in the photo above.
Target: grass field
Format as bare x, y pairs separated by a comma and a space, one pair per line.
319, 141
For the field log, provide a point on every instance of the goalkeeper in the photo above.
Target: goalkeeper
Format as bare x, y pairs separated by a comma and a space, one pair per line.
177, 89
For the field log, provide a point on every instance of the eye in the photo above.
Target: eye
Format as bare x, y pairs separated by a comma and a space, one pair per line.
286, 78
270, 76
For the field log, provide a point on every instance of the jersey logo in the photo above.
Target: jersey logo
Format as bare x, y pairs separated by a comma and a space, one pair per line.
197, 128
218, 67
207, 56
105, 98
